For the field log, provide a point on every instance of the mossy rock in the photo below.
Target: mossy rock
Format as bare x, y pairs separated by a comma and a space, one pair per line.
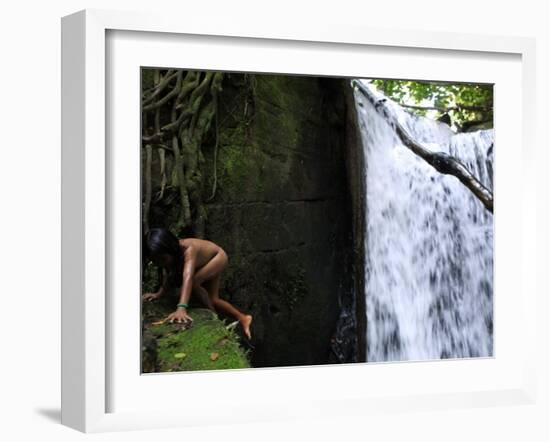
207, 345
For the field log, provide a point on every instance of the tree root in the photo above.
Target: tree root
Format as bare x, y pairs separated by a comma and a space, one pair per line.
183, 111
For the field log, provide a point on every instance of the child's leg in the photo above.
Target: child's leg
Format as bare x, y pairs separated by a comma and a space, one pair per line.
206, 272
213, 287
201, 293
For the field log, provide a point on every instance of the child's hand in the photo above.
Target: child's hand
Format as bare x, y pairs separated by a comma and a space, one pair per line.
150, 296
180, 315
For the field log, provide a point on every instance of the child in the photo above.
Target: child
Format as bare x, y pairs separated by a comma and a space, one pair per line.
197, 265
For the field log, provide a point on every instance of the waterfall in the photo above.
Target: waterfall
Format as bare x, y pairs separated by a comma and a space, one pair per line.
428, 242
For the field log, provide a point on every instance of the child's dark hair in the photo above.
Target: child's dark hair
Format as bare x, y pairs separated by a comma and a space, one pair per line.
160, 241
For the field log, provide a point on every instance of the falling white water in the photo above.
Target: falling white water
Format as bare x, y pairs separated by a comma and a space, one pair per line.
429, 242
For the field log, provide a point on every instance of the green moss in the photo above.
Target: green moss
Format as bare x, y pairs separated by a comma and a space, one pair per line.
236, 164
285, 105
258, 143
207, 345
237, 160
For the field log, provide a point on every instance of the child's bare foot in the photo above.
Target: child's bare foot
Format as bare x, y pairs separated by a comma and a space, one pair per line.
245, 323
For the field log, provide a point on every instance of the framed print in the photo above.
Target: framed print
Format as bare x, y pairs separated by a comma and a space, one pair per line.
314, 217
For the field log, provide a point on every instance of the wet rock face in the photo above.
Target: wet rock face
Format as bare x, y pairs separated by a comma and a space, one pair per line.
282, 212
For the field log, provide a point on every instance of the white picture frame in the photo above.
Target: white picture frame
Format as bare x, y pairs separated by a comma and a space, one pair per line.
86, 352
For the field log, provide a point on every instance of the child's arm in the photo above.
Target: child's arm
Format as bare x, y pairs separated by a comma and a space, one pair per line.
190, 258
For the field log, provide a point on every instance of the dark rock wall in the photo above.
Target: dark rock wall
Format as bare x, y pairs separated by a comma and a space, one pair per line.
282, 212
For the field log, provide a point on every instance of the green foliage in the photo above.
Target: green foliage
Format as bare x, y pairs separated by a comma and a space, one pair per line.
467, 104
